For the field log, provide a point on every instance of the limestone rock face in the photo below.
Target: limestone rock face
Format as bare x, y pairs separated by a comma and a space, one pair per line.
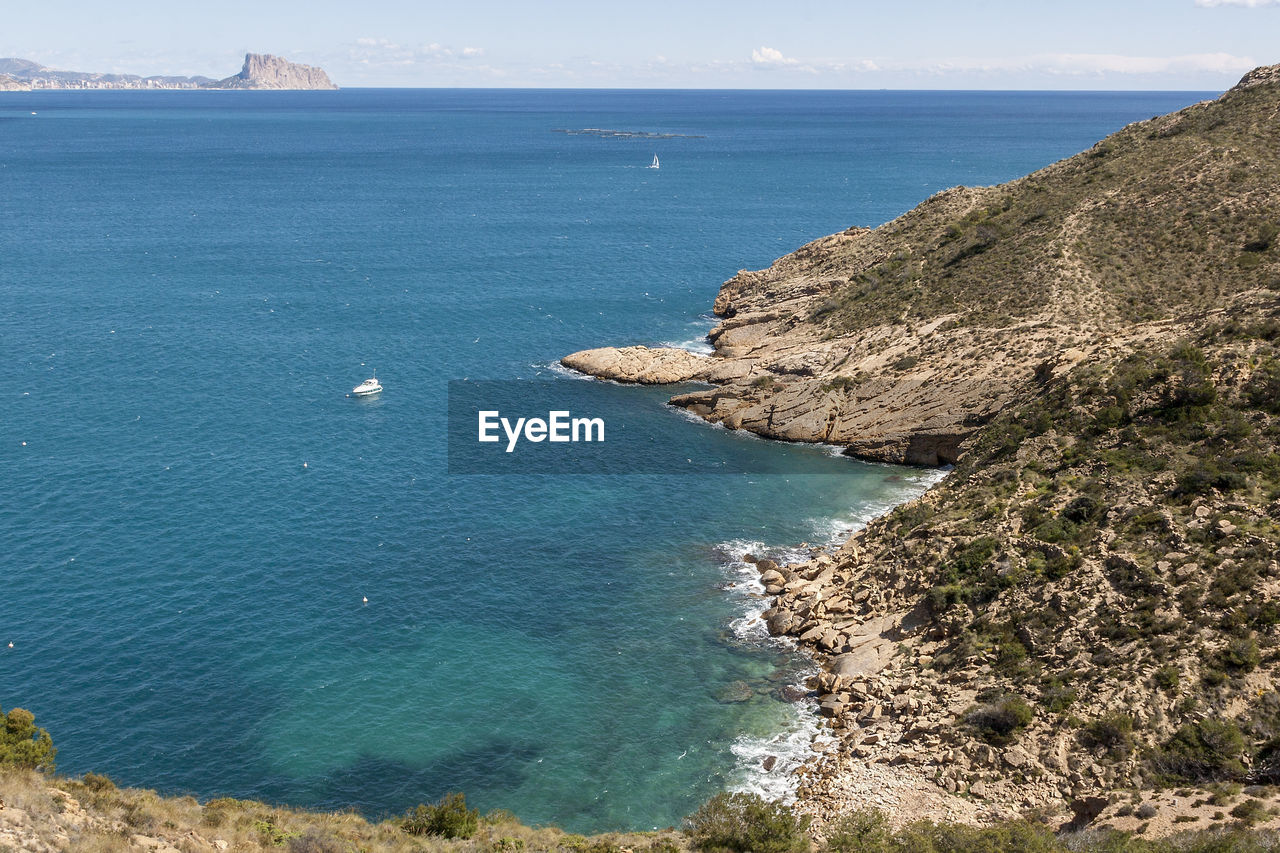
657, 366
8, 84
264, 71
1258, 77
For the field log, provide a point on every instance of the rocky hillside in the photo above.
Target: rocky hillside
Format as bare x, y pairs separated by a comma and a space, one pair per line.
899, 342
264, 71
1090, 601
9, 84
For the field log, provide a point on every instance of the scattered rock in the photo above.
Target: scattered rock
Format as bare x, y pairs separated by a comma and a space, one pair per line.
735, 691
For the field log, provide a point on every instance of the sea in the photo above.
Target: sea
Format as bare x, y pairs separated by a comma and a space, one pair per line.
223, 576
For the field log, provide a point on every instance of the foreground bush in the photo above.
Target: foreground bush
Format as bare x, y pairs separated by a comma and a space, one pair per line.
449, 818
23, 743
863, 831
745, 823
1204, 751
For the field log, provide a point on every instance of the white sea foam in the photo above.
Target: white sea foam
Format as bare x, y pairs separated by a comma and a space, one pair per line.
795, 744
790, 749
745, 589
559, 369
701, 345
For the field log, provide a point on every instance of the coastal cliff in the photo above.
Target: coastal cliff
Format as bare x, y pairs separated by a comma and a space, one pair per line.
1089, 602
264, 71
899, 342
9, 84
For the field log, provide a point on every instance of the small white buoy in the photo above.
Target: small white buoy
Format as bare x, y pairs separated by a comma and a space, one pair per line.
24, 444
364, 600
304, 465
11, 644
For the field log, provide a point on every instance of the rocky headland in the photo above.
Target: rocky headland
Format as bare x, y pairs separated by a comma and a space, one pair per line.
264, 71
1081, 619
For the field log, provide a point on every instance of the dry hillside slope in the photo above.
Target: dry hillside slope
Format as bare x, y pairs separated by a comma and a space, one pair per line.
1090, 601
899, 342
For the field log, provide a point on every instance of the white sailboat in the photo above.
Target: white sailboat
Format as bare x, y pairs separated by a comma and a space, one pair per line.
654, 164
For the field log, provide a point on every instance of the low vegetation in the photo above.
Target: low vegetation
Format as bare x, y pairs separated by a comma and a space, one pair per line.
92, 814
1140, 218
23, 743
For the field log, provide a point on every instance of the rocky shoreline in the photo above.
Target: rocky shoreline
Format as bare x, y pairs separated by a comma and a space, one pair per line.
1082, 616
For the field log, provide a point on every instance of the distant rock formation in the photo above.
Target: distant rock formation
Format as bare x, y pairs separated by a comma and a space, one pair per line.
8, 84
264, 71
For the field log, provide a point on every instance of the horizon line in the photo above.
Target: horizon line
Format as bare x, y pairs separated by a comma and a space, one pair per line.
531, 88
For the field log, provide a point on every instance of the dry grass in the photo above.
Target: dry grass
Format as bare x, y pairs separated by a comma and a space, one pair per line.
93, 815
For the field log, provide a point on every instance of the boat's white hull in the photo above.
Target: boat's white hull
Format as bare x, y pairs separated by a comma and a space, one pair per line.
369, 393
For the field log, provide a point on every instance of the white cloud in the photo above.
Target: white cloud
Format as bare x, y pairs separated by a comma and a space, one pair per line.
1088, 64
1251, 4
380, 51
770, 56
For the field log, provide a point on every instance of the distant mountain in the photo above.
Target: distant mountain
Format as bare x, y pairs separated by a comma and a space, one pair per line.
261, 71
264, 71
19, 67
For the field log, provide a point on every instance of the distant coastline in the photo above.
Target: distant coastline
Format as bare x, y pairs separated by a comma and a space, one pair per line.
260, 71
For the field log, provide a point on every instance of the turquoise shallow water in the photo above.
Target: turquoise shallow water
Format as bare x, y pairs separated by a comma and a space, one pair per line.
190, 282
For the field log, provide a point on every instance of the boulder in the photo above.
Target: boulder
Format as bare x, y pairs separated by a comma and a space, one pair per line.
642, 365
780, 623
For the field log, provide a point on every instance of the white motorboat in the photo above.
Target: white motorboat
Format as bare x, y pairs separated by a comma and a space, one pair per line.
367, 388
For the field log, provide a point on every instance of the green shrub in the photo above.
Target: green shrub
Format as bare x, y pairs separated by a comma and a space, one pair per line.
1014, 836
449, 818
905, 363
1263, 388
97, 782
1112, 734
1240, 655
940, 599
1083, 509
1057, 530
1250, 811
973, 556
1266, 764
863, 831
271, 834
1058, 697
998, 722
1166, 677
315, 841
23, 743
1204, 751
746, 823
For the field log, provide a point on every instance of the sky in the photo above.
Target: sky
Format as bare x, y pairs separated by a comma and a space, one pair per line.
1201, 45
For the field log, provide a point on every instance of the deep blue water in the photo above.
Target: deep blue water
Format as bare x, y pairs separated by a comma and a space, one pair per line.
189, 284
